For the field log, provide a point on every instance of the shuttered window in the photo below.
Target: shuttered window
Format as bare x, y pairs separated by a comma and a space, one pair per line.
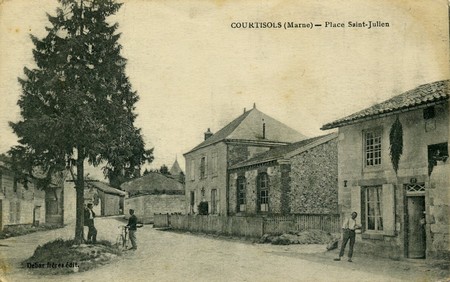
377, 207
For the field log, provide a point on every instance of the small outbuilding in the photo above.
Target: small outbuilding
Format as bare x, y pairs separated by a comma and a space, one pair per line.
154, 193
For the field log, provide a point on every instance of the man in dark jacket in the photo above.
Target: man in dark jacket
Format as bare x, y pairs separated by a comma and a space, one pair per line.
89, 216
132, 227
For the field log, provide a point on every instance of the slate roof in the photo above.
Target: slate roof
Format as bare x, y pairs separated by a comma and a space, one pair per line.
105, 188
175, 169
152, 182
248, 126
281, 151
422, 95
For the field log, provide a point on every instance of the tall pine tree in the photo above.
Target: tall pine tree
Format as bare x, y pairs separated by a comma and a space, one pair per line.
78, 103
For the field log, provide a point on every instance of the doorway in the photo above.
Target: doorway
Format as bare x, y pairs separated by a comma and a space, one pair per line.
416, 236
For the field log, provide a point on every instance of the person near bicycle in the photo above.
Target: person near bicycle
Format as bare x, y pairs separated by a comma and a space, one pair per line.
132, 227
89, 216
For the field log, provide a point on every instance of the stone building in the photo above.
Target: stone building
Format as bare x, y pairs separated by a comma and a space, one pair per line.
207, 164
21, 202
404, 213
154, 193
297, 178
60, 199
107, 200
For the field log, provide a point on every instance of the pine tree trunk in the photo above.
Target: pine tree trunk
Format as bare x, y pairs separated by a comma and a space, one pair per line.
79, 227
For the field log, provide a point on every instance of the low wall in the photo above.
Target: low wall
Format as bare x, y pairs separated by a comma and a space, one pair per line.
145, 206
248, 226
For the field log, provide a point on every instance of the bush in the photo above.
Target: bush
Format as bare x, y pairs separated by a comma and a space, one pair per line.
23, 229
203, 208
63, 256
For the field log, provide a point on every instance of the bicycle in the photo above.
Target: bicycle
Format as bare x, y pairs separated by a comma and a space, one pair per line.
122, 239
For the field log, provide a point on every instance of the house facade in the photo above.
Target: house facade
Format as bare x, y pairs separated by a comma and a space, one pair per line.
60, 199
20, 201
403, 212
154, 193
106, 200
207, 164
299, 178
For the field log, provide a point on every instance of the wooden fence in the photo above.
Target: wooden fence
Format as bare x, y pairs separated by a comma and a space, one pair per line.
251, 226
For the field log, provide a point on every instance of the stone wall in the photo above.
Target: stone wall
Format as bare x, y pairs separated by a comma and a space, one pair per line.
240, 153
438, 217
146, 206
314, 176
251, 176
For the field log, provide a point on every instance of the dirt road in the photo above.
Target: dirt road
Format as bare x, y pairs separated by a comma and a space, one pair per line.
169, 256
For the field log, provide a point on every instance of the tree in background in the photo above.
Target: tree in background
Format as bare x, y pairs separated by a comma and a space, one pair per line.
164, 170
77, 104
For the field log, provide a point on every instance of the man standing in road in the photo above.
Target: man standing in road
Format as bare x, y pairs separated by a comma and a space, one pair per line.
132, 227
348, 229
89, 216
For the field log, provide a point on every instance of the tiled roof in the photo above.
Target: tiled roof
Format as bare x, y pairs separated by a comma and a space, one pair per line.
421, 95
105, 188
151, 182
249, 126
281, 151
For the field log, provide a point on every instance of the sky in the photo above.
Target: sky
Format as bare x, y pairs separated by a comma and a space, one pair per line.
193, 71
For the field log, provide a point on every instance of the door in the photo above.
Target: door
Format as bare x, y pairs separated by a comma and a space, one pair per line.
416, 227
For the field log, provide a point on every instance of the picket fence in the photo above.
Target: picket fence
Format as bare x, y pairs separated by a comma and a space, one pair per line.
248, 226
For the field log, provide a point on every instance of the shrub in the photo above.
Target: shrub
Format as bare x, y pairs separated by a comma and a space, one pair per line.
203, 208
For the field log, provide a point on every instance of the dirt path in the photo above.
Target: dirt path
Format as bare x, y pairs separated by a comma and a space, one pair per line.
169, 256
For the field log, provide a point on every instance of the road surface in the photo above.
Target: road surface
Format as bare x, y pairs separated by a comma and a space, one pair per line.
170, 256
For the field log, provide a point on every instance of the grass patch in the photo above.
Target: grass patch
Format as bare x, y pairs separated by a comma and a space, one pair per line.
64, 257
19, 230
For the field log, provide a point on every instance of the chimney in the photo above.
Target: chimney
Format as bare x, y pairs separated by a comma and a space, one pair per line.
208, 134
245, 110
264, 129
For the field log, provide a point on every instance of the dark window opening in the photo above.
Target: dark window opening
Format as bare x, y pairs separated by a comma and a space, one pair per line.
241, 194
192, 202
203, 167
263, 192
436, 152
429, 113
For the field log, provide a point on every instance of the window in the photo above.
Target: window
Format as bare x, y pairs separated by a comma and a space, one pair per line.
373, 208
436, 152
203, 167
241, 194
263, 192
372, 147
192, 202
192, 172
429, 113
214, 164
14, 211
214, 201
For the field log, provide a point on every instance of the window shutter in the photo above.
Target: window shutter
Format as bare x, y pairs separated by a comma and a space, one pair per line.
388, 209
355, 197
192, 169
206, 166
